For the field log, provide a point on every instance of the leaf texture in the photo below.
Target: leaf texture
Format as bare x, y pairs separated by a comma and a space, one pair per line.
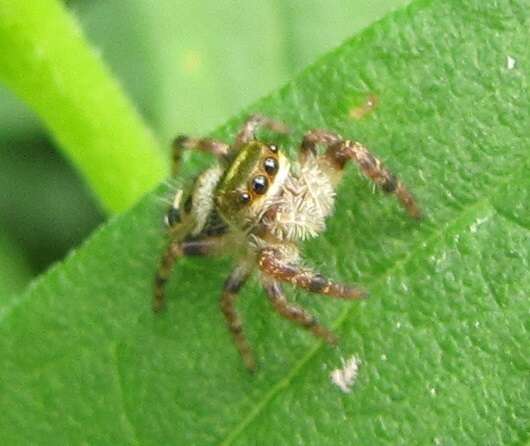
443, 339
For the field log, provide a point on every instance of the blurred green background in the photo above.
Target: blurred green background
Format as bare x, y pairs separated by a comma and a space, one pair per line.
188, 66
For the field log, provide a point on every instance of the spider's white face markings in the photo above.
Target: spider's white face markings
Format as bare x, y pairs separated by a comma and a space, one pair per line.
307, 199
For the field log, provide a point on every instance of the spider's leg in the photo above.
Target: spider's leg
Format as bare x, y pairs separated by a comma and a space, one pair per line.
313, 138
295, 313
231, 289
339, 151
271, 263
173, 252
251, 125
183, 142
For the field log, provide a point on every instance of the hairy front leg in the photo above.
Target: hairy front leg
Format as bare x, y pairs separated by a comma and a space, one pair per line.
339, 151
252, 124
183, 142
173, 252
273, 265
295, 313
231, 289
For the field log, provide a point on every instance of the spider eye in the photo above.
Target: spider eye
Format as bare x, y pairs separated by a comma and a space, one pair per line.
273, 148
260, 184
244, 197
172, 217
270, 165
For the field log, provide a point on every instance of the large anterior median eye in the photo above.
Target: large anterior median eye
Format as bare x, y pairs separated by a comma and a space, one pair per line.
260, 184
270, 165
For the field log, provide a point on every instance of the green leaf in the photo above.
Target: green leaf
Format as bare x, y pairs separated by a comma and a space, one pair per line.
45, 60
443, 340
15, 271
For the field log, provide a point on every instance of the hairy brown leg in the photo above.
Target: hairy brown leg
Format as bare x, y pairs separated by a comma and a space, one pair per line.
174, 251
183, 142
251, 125
339, 151
271, 263
295, 313
231, 289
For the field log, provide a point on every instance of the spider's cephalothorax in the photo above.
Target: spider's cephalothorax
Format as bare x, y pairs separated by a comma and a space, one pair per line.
258, 205
257, 173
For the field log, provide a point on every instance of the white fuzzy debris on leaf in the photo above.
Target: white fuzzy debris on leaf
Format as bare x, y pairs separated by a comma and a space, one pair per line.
345, 376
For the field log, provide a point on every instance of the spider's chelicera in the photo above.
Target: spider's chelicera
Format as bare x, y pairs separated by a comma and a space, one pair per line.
258, 205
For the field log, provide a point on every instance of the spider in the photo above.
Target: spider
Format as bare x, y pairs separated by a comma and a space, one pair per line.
258, 205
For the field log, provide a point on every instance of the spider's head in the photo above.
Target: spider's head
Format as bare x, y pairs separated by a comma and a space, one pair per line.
254, 177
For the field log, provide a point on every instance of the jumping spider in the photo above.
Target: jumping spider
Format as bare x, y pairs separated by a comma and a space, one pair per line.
258, 205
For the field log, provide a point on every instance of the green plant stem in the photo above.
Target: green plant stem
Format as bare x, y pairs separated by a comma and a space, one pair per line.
45, 60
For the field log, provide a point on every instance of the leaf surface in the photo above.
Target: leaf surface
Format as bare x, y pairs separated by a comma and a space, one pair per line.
443, 340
